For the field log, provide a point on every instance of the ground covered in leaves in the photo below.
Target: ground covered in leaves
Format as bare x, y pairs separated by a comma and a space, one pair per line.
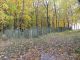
53, 46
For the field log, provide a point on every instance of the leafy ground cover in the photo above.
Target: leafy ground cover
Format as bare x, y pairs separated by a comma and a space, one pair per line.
53, 46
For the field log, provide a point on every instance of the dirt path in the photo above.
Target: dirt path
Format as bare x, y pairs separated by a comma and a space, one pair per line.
52, 47
4, 44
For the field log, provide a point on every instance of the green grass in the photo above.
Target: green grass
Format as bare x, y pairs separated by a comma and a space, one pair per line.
77, 50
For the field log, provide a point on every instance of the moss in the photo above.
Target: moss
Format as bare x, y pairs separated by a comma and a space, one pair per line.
77, 50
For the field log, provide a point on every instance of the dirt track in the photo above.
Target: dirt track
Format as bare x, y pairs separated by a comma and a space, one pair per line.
50, 47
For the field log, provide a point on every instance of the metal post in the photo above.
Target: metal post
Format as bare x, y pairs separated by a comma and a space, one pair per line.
37, 19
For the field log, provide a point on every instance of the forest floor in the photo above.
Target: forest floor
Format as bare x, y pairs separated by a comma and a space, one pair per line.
53, 46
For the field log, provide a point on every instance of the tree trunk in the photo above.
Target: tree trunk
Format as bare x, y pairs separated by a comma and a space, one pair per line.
21, 17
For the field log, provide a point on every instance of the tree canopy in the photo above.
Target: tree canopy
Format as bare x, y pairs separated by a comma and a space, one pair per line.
25, 13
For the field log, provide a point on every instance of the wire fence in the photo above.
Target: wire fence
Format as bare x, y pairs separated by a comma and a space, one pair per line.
30, 33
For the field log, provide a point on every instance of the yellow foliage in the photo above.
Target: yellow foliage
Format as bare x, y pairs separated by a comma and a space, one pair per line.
60, 23
5, 6
27, 17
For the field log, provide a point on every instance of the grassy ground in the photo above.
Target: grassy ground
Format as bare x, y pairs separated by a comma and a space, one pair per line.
54, 46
